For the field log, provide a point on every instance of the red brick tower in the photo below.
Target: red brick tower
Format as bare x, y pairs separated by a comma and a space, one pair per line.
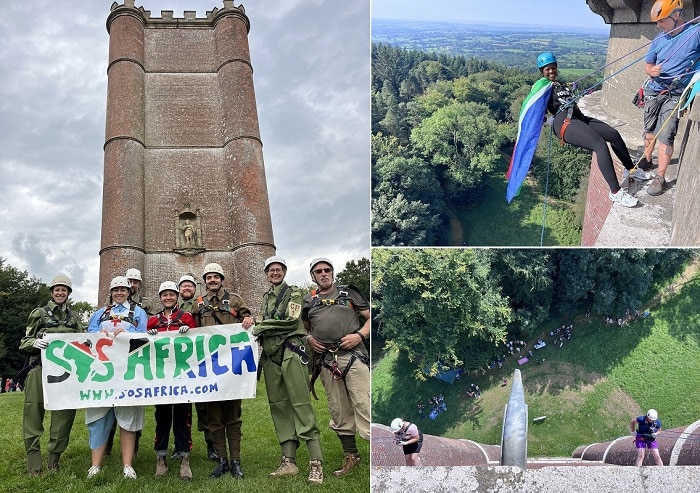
184, 179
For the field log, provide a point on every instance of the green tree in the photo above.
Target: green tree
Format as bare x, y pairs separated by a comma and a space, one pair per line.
19, 295
356, 272
397, 221
527, 278
436, 305
463, 139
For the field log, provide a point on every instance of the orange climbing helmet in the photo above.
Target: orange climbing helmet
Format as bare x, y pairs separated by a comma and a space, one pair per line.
664, 8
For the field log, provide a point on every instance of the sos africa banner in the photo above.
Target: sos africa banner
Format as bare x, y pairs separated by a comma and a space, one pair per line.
204, 364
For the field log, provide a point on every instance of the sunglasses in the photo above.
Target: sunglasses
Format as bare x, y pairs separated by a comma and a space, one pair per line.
323, 271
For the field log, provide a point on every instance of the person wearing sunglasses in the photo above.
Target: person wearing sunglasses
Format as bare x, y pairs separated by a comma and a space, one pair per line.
337, 319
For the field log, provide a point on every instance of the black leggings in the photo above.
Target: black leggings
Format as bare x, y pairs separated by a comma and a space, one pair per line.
594, 135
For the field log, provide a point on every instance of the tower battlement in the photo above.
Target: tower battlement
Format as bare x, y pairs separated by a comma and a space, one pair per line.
167, 19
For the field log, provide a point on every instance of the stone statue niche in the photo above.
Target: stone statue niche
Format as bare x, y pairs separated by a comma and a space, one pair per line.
188, 231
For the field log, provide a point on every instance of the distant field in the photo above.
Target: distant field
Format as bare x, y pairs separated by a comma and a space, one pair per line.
510, 46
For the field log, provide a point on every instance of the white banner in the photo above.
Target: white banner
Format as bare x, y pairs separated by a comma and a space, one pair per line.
93, 370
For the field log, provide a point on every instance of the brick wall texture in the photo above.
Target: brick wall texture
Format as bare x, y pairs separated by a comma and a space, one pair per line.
182, 135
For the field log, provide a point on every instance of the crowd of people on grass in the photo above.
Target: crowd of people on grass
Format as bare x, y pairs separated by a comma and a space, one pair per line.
436, 406
328, 326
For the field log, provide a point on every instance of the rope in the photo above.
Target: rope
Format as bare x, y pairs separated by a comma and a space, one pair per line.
546, 186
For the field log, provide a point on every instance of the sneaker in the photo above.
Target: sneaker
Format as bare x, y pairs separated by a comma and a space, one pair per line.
645, 163
129, 472
315, 472
622, 198
637, 174
657, 185
93, 471
287, 468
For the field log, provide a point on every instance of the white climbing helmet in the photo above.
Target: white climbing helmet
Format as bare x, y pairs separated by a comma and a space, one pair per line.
396, 424
168, 286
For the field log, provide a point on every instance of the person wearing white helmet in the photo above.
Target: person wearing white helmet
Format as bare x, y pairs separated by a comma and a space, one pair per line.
188, 287
135, 285
122, 315
284, 362
646, 429
55, 317
176, 416
410, 437
331, 315
219, 306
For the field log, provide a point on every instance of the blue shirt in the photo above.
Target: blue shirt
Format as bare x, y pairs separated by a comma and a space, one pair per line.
645, 427
117, 318
677, 56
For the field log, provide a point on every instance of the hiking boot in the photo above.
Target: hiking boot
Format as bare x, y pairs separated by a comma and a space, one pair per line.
622, 198
657, 185
637, 174
129, 472
211, 453
287, 468
236, 470
93, 471
349, 463
315, 472
161, 466
645, 164
185, 471
52, 462
221, 469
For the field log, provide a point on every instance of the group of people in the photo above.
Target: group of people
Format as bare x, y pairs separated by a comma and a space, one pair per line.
327, 328
9, 385
670, 62
436, 405
561, 334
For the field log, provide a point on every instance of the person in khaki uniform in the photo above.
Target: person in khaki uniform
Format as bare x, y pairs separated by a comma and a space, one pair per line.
284, 363
337, 337
53, 318
219, 307
188, 288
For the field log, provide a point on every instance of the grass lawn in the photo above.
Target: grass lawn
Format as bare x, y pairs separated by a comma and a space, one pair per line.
494, 222
260, 455
589, 389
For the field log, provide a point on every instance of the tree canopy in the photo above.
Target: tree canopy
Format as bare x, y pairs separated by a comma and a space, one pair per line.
456, 307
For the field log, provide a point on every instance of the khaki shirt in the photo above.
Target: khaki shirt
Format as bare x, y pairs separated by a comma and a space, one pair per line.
213, 308
330, 322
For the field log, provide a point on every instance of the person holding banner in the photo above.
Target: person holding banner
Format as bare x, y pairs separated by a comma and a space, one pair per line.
121, 315
188, 287
332, 315
175, 416
284, 361
55, 317
219, 307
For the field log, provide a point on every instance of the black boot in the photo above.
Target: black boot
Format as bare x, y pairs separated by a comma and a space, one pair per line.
236, 470
211, 452
221, 469
136, 444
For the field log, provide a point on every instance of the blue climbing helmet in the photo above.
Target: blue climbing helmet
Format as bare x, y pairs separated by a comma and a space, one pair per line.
545, 59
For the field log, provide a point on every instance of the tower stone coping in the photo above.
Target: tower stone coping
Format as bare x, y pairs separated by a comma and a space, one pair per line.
167, 18
121, 247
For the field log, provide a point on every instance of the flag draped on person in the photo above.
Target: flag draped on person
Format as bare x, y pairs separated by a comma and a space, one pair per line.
530, 122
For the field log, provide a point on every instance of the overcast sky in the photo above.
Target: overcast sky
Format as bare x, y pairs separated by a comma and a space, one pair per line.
311, 73
539, 12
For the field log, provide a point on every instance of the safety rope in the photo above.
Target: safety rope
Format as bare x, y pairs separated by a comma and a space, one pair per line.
546, 184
